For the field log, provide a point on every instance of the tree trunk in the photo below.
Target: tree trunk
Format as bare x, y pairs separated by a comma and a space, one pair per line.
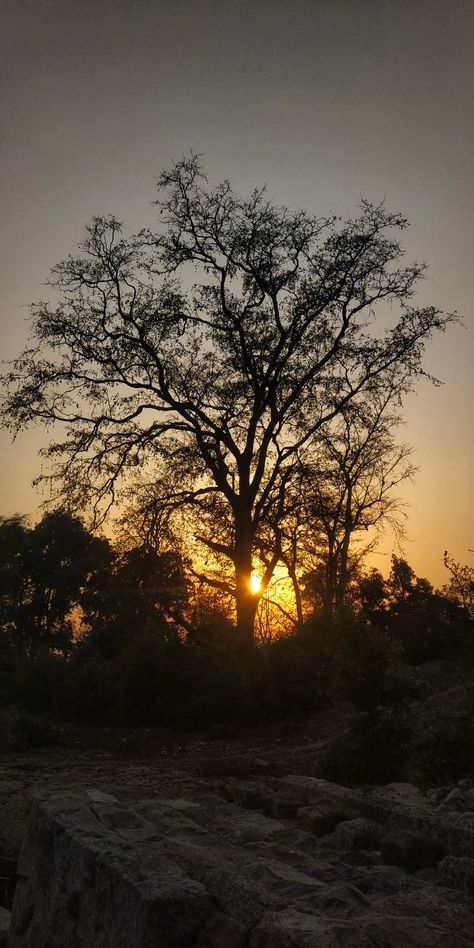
329, 592
246, 610
342, 579
246, 601
297, 593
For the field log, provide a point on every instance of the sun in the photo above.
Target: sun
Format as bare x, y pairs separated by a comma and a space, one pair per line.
255, 583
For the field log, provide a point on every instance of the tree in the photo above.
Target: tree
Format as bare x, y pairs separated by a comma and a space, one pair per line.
461, 583
143, 591
14, 579
427, 623
349, 491
219, 392
42, 575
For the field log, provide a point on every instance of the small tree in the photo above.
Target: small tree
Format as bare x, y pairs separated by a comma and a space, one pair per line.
350, 492
219, 391
143, 591
427, 623
461, 583
43, 572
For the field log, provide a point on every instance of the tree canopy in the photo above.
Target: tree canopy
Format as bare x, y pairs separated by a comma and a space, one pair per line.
216, 394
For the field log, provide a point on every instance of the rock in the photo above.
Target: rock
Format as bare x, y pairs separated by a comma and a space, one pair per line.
455, 801
171, 819
5, 918
339, 899
176, 804
406, 793
80, 884
235, 895
220, 931
451, 829
247, 793
122, 820
293, 929
173, 872
96, 796
302, 788
281, 806
469, 797
410, 851
312, 790
319, 820
357, 834
457, 872
7, 880
392, 932
289, 881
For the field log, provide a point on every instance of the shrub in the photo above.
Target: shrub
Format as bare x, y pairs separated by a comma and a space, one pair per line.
359, 661
443, 746
373, 750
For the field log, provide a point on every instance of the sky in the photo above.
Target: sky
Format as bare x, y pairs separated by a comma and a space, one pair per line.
326, 101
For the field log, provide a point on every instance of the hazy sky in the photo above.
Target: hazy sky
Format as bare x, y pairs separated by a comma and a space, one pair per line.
327, 101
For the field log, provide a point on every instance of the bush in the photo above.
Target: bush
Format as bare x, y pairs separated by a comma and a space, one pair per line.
443, 747
431, 628
40, 682
373, 750
359, 661
19, 731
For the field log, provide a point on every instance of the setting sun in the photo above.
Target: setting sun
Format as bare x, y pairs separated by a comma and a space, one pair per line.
255, 583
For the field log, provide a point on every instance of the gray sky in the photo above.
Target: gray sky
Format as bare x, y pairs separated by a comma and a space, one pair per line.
327, 101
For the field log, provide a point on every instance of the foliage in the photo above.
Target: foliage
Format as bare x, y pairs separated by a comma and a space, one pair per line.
42, 573
374, 749
427, 624
443, 748
140, 591
217, 396
349, 493
461, 583
360, 660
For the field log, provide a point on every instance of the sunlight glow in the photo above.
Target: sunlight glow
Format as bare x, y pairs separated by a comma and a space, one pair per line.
255, 583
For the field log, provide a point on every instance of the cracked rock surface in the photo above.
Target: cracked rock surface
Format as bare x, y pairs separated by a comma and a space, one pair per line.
133, 856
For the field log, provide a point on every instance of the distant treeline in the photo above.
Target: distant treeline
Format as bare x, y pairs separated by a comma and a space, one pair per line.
93, 632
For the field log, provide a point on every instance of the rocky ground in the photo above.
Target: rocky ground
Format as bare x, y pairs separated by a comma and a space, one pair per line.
214, 842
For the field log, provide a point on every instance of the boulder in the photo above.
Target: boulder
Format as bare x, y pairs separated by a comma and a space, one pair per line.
398, 792
320, 820
173, 872
455, 801
352, 835
293, 929
84, 880
457, 872
340, 899
410, 851
281, 806
220, 931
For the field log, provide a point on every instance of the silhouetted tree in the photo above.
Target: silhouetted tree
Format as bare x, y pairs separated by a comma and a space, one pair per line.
349, 492
42, 574
14, 578
373, 594
427, 623
221, 389
461, 583
141, 592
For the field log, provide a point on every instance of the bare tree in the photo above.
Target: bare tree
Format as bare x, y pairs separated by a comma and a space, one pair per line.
219, 391
351, 491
